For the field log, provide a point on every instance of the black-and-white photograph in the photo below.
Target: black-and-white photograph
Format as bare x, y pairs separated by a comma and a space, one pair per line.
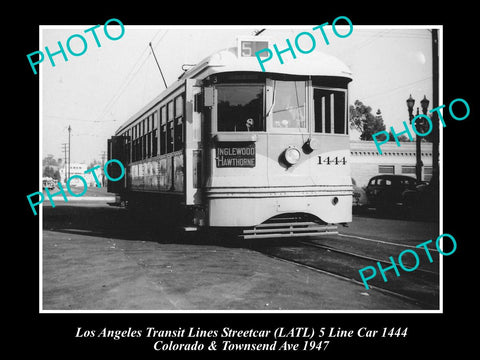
241, 168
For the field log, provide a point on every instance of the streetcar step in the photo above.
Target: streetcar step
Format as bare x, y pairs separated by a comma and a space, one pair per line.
296, 229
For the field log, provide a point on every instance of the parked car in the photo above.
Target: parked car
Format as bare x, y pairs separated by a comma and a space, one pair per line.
422, 201
384, 192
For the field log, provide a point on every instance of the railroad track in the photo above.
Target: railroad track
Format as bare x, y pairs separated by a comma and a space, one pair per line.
342, 260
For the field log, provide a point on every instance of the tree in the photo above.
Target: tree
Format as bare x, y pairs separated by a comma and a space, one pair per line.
401, 138
48, 171
362, 119
381, 137
56, 175
49, 160
94, 163
51, 167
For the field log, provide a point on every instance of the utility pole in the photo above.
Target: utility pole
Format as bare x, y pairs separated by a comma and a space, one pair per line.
436, 136
64, 149
103, 156
69, 131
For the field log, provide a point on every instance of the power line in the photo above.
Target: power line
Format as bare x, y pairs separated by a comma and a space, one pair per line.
397, 88
74, 119
371, 40
387, 33
123, 86
141, 60
396, 33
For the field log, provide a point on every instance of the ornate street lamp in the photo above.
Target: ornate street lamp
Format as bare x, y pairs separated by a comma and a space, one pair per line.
424, 104
418, 150
410, 105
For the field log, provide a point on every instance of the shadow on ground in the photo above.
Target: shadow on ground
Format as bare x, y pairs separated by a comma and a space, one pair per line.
120, 223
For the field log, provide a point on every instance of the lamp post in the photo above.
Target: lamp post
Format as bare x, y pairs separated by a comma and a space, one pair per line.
418, 165
424, 103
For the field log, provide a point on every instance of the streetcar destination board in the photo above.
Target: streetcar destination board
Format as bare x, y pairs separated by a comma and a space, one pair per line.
247, 46
235, 154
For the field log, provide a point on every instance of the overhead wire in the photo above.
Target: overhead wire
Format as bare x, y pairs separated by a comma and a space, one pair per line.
396, 88
123, 86
394, 34
138, 65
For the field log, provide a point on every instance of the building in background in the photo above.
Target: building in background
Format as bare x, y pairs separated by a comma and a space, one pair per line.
79, 169
366, 162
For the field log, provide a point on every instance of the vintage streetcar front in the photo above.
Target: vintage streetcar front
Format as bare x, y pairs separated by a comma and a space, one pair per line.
230, 146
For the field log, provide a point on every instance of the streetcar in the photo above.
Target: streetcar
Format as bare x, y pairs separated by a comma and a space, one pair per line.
228, 146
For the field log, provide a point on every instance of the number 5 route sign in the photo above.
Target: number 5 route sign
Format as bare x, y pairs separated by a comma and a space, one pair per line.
248, 46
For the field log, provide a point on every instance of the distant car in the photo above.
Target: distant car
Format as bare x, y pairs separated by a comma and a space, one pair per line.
48, 183
384, 192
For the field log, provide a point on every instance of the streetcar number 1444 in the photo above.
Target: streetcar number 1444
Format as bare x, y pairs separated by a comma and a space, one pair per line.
332, 160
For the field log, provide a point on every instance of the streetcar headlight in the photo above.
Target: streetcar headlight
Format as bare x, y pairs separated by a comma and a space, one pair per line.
313, 144
292, 155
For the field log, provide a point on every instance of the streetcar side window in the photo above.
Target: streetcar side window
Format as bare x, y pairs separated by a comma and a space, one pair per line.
149, 137
155, 134
170, 127
143, 141
128, 146
240, 107
139, 141
330, 111
163, 130
135, 142
178, 127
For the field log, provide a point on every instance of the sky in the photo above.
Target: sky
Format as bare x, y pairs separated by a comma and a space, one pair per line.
96, 92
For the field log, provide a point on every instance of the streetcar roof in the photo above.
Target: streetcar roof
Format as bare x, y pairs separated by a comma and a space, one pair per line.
313, 64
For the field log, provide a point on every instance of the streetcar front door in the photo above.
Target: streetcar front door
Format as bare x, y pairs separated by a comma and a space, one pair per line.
193, 143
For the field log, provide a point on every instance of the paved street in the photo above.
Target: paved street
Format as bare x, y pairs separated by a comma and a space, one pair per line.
97, 257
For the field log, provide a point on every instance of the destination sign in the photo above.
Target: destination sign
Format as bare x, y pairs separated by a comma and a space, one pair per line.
249, 48
235, 154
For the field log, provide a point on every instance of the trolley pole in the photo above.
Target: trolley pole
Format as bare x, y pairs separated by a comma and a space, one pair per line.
153, 52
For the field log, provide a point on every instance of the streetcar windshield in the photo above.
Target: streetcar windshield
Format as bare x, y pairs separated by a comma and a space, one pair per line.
289, 104
240, 108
